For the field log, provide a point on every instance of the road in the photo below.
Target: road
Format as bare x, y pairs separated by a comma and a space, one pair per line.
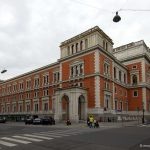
22, 137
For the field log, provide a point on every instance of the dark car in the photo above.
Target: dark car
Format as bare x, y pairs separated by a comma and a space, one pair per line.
52, 121
2, 120
37, 121
29, 121
46, 121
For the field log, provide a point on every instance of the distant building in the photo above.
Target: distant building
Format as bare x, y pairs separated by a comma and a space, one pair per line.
89, 78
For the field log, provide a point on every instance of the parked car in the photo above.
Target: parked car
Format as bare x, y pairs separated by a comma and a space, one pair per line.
2, 120
29, 121
37, 121
46, 121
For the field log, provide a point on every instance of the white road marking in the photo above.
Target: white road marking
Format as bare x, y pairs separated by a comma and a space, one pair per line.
58, 134
49, 135
7, 143
64, 133
36, 136
144, 146
28, 138
15, 140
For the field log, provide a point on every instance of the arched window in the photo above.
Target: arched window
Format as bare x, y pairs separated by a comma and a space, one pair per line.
134, 79
68, 50
124, 78
114, 72
81, 45
76, 47
120, 75
72, 49
86, 43
104, 44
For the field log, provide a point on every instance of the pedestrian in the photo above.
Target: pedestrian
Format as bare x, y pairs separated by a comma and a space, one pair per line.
68, 122
91, 118
96, 124
88, 122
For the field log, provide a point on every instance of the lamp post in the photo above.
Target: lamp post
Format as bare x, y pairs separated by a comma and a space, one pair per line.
143, 110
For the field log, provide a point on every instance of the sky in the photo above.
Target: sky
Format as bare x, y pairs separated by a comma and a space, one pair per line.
32, 30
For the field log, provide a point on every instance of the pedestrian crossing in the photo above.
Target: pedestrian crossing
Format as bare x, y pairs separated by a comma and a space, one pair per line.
27, 138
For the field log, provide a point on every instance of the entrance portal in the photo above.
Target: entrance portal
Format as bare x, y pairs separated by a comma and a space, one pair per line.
81, 108
65, 107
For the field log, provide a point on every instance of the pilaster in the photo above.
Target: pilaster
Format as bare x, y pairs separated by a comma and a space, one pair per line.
97, 80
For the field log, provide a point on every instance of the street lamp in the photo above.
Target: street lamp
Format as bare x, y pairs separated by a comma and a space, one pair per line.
3, 71
116, 18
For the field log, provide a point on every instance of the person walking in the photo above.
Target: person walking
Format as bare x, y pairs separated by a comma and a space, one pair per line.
91, 118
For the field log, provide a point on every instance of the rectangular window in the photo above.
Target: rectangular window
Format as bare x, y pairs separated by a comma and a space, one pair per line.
121, 106
28, 83
36, 94
21, 86
135, 93
134, 67
36, 107
45, 92
106, 68
116, 105
28, 96
115, 90
28, 107
77, 70
14, 87
56, 77
20, 108
45, 79
36, 82
45, 106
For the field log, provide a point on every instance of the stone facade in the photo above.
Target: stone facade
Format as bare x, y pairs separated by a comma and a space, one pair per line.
89, 78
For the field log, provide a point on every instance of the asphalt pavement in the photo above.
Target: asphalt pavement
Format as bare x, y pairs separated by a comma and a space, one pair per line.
110, 136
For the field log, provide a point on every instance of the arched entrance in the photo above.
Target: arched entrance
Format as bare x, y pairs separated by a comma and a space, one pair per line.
81, 107
65, 107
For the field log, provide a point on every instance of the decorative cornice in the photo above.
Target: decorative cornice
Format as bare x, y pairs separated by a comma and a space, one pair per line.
136, 57
83, 34
30, 72
130, 45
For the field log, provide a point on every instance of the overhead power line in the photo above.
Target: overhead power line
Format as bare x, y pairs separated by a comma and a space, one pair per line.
134, 10
106, 10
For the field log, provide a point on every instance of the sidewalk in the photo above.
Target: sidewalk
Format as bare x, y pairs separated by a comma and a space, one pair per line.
102, 125
79, 125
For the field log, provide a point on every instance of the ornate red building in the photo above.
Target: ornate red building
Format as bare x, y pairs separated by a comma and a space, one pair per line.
89, 78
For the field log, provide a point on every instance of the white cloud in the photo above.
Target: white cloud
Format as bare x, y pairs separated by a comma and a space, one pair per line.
31, 31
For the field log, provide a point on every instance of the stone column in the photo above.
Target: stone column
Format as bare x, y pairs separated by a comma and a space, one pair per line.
73, 105
58, 108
